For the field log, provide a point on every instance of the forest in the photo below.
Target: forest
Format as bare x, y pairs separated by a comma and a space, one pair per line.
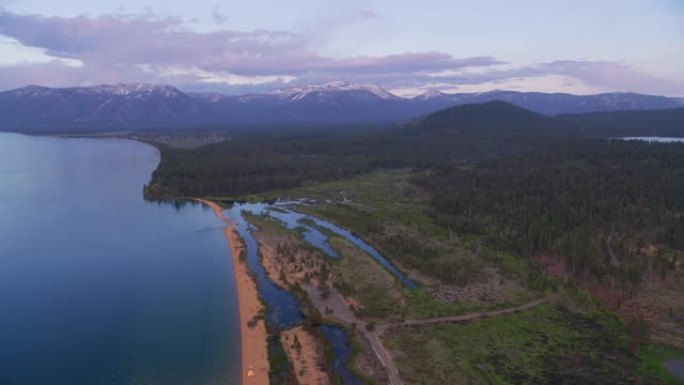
556, 205
584, 200
255, 163
526, 183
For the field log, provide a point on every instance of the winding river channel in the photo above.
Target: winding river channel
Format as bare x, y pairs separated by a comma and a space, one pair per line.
283, 310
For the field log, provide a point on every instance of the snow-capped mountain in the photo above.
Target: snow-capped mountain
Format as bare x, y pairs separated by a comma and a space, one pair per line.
431, 95
103, 106
138, 90
334, 88
135, 106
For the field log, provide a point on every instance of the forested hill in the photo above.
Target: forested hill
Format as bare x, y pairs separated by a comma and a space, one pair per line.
501, 120
625, 123
487, 120
255, 164
557, 199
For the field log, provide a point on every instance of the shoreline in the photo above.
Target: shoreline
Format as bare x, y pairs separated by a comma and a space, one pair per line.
254, 366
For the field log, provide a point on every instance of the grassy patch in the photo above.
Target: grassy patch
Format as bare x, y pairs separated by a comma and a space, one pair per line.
548, 344
394, 216
421, 304
280, 370
357, 275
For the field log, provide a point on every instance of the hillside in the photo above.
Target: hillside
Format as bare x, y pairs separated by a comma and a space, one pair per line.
133, 107
490, 119
247, 164
625, 123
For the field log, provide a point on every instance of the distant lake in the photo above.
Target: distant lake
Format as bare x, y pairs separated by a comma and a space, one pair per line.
98, 286
657, 139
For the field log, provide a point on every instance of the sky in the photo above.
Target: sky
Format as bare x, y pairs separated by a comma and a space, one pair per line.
406, 46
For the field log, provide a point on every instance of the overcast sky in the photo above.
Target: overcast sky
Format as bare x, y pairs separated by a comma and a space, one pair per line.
407, 46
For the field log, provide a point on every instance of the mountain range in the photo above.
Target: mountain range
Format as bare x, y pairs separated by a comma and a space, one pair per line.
141, 106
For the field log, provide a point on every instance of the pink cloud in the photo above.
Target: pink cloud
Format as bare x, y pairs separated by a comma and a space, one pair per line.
127, 48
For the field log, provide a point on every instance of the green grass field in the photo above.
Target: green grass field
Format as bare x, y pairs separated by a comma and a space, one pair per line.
394, 216
549, 344
567, 342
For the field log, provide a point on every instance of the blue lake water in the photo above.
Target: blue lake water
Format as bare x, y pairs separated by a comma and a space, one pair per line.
98, 286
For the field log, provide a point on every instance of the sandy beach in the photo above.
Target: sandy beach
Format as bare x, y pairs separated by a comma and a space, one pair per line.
253, 337
306, 355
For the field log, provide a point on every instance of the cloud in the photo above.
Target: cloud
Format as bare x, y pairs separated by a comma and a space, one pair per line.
144, 48
368, 14
218, 16
597, 76
127, 42
612, 75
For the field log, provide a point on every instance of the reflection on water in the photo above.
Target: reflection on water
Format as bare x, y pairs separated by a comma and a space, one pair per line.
312, 230
283, 310
370, 250
338, 339
98, 286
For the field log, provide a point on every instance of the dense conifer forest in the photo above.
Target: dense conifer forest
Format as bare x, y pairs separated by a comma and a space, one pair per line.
248, 164
498, 196
526, 183
584, 200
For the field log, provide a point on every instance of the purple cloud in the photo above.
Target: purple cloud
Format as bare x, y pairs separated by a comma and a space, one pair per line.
142, 48
143, 40
611, 75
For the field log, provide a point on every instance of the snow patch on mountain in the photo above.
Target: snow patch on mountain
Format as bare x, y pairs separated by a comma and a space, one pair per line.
431, 94
137, 89
298, 93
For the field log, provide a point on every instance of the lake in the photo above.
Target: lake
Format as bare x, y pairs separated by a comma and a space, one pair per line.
98, 286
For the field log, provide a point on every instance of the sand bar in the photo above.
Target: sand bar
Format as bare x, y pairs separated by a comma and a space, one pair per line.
254, 347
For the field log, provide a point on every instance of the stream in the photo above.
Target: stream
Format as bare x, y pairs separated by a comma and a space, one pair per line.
282, 308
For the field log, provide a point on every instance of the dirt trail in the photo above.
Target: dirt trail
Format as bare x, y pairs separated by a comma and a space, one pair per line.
460, 318
342, 312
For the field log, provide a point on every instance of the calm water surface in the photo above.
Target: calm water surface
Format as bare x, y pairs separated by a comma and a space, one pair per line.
98, 286
311, 230
342, 351
283, 310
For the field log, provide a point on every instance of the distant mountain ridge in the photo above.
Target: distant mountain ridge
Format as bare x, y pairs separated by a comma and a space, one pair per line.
498, 120
140, 106
559, 103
